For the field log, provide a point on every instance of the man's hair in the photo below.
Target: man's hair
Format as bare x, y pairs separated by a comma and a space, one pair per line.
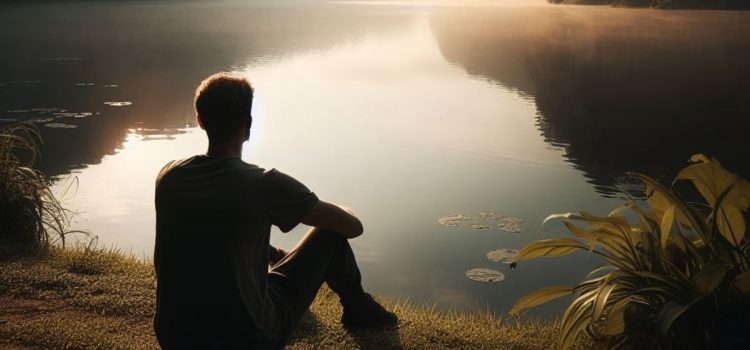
223, 101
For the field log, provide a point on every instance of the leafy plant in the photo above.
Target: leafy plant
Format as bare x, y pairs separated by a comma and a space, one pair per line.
676, 271
30, 215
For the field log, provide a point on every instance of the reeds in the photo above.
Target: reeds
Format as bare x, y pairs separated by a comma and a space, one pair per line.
31, 216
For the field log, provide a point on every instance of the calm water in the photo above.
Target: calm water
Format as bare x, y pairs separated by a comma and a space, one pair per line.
406, 111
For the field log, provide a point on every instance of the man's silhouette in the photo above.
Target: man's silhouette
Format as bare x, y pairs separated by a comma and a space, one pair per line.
213, 221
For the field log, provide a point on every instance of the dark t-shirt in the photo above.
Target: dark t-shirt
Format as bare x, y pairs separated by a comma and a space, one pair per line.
213, 224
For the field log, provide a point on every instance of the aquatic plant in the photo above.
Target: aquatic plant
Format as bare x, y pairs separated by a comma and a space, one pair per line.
30, 215
677, 271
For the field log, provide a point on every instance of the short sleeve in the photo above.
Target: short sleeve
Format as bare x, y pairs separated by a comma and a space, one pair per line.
287, 200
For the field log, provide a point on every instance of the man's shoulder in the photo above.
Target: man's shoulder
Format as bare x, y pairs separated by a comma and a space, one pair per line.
201, 164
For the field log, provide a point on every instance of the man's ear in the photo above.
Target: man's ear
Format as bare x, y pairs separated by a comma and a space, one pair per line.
200, 122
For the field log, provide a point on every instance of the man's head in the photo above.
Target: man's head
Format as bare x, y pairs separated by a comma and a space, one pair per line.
223, 102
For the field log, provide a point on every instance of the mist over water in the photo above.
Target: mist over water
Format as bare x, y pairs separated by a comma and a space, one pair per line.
406, 112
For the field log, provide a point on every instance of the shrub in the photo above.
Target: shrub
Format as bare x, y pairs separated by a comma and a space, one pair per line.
676, 271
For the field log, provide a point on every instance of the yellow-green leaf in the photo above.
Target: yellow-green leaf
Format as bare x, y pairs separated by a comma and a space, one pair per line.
615, 322
731, 224
665, 225
711, 179
539, 297
549, 248
601, 301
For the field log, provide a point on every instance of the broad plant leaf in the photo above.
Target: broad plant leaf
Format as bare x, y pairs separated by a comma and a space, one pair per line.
539, 297
709, 277
669, 313
549, 248
711, 179
615, 322
731, 224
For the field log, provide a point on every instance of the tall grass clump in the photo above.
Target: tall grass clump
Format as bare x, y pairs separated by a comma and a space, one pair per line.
677, 270
30, 215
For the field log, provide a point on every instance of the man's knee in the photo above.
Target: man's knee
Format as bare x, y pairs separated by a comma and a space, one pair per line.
326, 235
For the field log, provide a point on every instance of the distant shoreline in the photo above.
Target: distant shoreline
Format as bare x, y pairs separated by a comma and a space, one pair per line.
664, 4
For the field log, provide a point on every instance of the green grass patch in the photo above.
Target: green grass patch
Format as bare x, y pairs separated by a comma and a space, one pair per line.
101, 299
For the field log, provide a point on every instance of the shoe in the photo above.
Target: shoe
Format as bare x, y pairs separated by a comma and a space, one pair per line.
367, 314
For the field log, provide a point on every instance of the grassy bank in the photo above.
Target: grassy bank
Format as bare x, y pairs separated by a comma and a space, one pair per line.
78, 299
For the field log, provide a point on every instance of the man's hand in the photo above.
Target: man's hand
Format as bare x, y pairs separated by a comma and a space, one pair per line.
332, 217
275, 255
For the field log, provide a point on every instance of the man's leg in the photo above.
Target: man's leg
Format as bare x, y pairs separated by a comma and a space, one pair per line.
323, 256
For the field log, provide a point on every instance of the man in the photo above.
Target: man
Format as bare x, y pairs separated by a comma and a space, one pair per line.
213, 220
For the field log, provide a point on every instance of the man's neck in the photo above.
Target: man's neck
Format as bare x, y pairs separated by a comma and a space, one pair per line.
224, 150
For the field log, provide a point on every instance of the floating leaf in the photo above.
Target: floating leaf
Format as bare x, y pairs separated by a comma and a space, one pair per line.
60, 126
510, 224
490, 216
480, 227
73, 115
485, 275
453, 220
118, 104
505, 256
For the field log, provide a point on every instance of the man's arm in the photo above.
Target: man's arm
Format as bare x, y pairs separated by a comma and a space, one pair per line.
332, 217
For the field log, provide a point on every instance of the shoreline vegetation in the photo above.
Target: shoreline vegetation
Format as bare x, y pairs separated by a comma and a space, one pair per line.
81, 298
664, 4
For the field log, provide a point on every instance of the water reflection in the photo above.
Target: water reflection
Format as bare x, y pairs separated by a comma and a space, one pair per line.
93, 57
619, 90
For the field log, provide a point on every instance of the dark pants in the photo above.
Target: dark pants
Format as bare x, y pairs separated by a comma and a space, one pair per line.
321, 256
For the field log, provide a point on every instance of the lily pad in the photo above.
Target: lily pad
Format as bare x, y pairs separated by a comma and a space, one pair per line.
73, 115
453, 220
119, 103
490, 216
480, 227
60, 126
510, 224
482, 274
502, 255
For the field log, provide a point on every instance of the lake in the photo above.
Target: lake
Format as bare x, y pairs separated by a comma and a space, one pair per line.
407, 111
